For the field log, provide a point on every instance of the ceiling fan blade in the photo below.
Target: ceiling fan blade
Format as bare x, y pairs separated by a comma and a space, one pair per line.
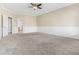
39, 7
39, 4
31, 3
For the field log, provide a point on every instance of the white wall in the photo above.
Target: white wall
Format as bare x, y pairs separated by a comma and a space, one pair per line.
72, 32
29, 29
61, 31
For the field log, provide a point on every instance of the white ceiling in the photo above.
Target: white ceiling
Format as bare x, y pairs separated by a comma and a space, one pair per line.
22, 8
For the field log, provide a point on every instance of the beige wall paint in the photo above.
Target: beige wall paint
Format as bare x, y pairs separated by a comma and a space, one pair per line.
29, 21
61, 22
68, 16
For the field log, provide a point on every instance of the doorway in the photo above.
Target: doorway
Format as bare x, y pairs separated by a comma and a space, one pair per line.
9, 25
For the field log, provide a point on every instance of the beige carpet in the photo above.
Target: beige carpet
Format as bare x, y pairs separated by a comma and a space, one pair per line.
38, 44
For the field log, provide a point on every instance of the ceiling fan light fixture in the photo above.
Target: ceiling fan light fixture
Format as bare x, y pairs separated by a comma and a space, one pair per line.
35, 8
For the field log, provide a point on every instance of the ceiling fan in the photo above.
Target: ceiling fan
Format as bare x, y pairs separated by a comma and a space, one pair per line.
35, 6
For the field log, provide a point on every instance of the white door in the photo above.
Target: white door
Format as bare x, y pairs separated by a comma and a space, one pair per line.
1, 34
5, 25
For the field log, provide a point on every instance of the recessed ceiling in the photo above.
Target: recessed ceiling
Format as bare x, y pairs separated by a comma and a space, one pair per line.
22, 8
